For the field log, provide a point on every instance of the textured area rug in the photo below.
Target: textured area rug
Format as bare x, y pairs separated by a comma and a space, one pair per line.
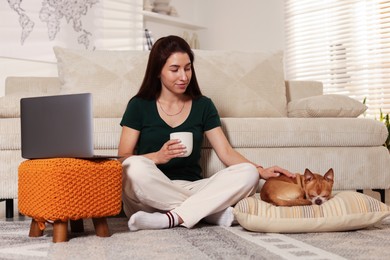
201, 242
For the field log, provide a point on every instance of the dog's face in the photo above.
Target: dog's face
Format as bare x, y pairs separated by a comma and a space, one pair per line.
318, 189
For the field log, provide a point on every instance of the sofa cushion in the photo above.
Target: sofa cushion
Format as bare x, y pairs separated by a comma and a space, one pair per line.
113, 77
243, 84
347, 210
326, 106
247, 132
297, 132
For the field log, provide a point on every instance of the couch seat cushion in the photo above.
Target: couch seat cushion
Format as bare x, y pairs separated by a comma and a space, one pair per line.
296, 132
247, 132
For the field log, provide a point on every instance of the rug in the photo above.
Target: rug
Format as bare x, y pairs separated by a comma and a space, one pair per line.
202, 242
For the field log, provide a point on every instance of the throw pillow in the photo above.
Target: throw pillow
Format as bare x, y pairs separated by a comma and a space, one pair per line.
347, 210
331, 105
112, 77
243, 84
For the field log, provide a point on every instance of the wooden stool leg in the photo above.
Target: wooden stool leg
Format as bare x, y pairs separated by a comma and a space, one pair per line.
101, 227
60, 231
35, 231
77, 226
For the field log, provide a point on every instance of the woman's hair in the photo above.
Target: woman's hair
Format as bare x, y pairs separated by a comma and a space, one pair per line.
160, 52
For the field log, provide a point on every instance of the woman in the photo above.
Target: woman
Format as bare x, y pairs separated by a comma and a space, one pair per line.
162, 189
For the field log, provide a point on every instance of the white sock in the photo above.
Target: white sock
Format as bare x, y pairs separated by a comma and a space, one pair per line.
222, 218
145, 220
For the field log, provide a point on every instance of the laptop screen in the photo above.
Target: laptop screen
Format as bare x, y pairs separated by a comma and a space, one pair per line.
57, 126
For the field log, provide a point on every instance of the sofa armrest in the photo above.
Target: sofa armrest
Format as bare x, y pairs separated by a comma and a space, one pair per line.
302, 89
32, 85
21, 87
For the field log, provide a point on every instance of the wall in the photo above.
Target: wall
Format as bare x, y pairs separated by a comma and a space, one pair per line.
231, 25
251, 25
28, 32
187, 12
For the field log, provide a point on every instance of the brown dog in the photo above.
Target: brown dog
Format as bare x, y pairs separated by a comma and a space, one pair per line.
307, 189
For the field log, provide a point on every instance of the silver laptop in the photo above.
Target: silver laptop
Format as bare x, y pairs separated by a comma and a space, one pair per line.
58, 126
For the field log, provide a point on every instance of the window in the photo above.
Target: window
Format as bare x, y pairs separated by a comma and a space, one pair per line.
119, 25
343, 44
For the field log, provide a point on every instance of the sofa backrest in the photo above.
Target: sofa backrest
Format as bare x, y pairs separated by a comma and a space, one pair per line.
30, 86
298, 89
241, 84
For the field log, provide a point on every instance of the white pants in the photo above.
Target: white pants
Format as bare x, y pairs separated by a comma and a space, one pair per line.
147, 188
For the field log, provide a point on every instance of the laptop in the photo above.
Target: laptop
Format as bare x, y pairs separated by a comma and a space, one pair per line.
58, 126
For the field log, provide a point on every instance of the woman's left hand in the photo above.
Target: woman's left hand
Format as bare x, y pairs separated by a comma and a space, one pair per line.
274, 171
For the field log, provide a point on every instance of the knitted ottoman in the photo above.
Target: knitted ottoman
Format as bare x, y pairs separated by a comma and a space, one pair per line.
61, 189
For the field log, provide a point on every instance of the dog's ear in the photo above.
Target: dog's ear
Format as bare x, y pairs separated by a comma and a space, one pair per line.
308, 171
308, 175
329, 175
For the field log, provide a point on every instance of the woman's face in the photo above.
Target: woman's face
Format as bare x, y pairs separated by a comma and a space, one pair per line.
176, 73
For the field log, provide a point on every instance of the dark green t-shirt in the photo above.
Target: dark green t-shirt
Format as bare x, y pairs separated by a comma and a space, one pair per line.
142, 115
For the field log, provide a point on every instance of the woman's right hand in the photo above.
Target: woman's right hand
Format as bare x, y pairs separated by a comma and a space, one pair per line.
274, 171
171, 149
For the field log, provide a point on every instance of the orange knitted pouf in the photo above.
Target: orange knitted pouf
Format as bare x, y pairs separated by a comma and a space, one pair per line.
61, 189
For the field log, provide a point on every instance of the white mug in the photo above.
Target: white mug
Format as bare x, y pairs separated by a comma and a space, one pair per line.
186, 139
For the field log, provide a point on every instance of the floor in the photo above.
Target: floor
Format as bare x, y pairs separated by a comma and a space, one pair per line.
17, 216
